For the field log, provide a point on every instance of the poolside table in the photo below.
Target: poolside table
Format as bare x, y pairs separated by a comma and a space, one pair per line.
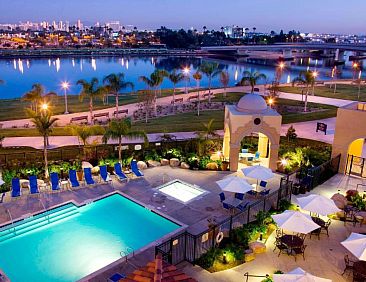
246, 155
291, 241
232, 202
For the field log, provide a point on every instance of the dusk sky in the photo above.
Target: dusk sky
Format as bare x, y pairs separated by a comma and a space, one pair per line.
333, 16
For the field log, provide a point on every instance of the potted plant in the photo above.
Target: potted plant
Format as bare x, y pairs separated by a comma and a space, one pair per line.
224, 165
79, 172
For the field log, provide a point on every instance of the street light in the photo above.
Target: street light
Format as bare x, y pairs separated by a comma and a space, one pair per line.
44, 107
355, 67
270, 102
186, 73
65, 85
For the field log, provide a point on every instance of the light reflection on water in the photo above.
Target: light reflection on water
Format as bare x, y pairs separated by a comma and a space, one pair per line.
51, 71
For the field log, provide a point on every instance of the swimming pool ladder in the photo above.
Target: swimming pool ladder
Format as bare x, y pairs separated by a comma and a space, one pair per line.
125, 253
12, 221
47, 216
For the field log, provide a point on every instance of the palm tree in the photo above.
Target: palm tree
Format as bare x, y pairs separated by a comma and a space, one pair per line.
119, 129
175, 78
91, 90
153, 83
251, 78
198, 76
306, 78
44, 123
209, 129
115, 83
84, 132
36, 95
224, 79
210, 70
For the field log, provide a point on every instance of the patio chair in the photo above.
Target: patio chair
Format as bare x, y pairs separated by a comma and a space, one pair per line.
326, 226
222, 197
104, 174
279, 233
264, 192
73, 179
257, 157
245, 151
135, 170
55, 182
316, 232
116, 277
2, 197
15, 188
119, 173
348, 264
33, 185
299, 251
280, 246
252, 193
263, 184
243, 206
226, 206
88, 176
239, 196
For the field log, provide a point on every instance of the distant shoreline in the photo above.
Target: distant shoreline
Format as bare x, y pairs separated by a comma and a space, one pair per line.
86, 52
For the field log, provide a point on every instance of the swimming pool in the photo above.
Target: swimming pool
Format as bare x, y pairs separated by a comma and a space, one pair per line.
71, 242
181, 191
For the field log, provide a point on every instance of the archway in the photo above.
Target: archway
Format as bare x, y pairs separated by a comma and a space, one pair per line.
356, 154
251, 115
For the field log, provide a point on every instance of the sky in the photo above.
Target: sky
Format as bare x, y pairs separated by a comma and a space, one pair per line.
328, 16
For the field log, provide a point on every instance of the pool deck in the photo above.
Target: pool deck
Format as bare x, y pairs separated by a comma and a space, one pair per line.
324, 257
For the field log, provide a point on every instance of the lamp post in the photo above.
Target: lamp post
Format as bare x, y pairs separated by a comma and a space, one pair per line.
315, 74
65, 85
355, 67
281, 66
186, 73
334, 74
359, 84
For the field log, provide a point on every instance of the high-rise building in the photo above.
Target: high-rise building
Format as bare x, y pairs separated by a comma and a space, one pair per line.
67, 26
115, 25
60, 25
79, 25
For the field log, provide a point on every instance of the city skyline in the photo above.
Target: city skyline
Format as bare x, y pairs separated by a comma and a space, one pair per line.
153, 14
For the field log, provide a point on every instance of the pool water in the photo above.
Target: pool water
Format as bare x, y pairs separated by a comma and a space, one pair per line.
181, 191
76, 241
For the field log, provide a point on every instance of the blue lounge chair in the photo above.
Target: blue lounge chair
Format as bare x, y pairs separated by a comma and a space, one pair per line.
257, 156
104, 175
263, 184
243, 206
265, 192
116, 277
119, 173
33, 186
245, 151
222, 196
88, 176
15, 188
73, 179
252, 193
239, 196
135, 170
55, 181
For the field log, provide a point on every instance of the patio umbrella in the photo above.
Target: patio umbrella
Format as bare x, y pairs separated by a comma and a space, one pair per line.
234, 184
295, 221
1, 182
258, 172
298, 275
356, 244
318, 204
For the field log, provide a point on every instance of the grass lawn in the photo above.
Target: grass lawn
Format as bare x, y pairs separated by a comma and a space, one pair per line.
191, 122
347, 92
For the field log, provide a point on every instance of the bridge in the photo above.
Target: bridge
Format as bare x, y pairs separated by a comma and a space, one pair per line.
288, 48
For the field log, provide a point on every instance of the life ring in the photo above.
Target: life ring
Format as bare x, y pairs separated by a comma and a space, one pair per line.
219, 237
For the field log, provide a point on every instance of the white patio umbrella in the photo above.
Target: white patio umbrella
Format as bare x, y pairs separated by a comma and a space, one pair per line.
318, 204
1, 182
298, 275
295, 221
234, 184
356, 244
258, 172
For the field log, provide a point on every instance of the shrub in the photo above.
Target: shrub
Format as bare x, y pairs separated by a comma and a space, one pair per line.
358, 202
283, 205
173, 153
203, 162
207, 260
152, 155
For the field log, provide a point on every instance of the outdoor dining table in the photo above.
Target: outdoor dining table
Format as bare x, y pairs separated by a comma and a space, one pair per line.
359, 267
291, 241
246, 155
232, 202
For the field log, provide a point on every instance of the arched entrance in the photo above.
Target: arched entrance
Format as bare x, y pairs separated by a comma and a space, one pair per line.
356, 154
251, 115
